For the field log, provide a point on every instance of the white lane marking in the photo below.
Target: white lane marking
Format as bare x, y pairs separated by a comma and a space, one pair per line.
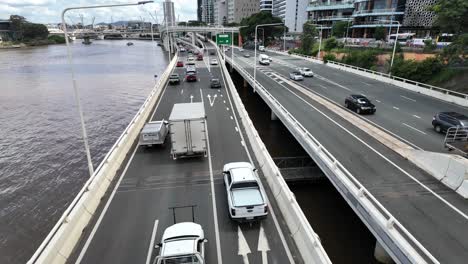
213, 194
182, 91
232, 117
396, 108
273, 215
377, 101
224, 101
243, 247
96, 226
324, 87
214, 98
368, 84
263, 245
221, 95
151, 245
414, 128
227, 108
417, 116
219, 90
237, 130
191, 98
407, 98
383, 157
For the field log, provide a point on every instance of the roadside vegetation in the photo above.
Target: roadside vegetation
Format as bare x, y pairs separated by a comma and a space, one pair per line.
448, 67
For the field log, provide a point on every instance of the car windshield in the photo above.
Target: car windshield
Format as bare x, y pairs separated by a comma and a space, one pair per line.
174, 75
296, 73
215, 80
306, 69
180, 260
242, 185
363, 101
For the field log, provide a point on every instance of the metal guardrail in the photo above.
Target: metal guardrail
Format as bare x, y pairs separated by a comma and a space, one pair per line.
456, 138
88, 186
422, 85
404, 240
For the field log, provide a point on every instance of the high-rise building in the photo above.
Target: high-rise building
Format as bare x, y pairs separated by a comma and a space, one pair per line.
199, 10
208, 11
220, 12
279, 8
266, 5
295, 14
239, 9
169, 15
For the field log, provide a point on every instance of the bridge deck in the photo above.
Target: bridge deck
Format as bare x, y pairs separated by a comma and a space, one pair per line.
433, 213
153, 181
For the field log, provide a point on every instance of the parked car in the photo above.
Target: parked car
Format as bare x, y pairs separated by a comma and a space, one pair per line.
306, 72
296, 76
191, 77
214, 62
182, 243
360, 104
215, 83
444, 120
174, 78
246, 198
180, 64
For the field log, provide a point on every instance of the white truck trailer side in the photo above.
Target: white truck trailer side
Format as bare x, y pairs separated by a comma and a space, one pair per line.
187, 126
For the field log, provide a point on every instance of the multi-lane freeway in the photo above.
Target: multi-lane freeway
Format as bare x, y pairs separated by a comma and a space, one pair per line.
137, 211
435, 215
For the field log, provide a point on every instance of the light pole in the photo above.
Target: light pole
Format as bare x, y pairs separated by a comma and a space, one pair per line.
75, 86
396, 41
255, 52
320, 41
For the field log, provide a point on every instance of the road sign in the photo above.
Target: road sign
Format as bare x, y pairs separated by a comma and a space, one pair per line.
223, 39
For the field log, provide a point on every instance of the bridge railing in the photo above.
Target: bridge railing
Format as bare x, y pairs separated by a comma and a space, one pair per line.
412, 250
59, 243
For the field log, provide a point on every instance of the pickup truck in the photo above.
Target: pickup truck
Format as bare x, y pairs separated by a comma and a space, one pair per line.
182, 243
174, 78
246, 198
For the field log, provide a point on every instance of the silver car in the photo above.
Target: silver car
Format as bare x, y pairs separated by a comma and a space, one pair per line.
296, 76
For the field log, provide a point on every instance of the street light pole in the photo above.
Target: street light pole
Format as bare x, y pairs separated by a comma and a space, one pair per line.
72, 69
394, 46
255, 52
320, 42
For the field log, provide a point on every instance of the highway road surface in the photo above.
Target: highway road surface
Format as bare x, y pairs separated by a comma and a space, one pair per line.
433, 213
137, 212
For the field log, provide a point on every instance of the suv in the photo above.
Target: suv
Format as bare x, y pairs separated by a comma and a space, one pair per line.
215, 83
182, 243
306, 72
444, 120
174, 78
360, 104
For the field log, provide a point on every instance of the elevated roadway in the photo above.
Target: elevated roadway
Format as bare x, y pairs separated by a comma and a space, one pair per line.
152, 182
436, 216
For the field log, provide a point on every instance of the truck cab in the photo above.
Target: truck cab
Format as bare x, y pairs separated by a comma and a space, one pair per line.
182, 243
264, 59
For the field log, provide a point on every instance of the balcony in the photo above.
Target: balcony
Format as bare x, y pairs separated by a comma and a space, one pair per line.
331, 6
334, 18
377, 12
373, 24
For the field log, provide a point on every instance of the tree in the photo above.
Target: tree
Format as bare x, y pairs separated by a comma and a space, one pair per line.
309, 32
429, 45
34, 31
182, 24
452, 15
330, 44
379, 33
457, 51
17, 26
263, 17
339, 29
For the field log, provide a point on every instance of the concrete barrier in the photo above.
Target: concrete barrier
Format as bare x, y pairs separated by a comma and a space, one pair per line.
306, 239
60, 242
451, 170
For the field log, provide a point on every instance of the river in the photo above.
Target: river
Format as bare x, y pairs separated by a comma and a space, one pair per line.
42, 158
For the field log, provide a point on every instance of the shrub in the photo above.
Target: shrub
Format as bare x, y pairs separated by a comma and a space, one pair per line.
417, 71
429, 45
364, 59
329, 56
330, 44
55, 39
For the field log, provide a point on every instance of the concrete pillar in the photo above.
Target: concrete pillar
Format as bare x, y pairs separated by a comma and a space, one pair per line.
381, 255
273, 116
194, 39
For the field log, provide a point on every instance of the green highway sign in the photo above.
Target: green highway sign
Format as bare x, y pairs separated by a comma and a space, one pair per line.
223, 39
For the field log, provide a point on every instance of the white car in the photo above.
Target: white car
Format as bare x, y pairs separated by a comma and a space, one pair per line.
182, 49
241, 49
190, 61
182, 243
214, 62
246, 198
296, 76
306, 72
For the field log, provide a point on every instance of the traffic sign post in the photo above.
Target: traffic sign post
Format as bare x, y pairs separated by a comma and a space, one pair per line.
223, 39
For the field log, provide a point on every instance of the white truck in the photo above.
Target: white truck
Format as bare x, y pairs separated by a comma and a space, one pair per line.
261, 48
182, 243
246, 198
264, 59
187, 127
153, 133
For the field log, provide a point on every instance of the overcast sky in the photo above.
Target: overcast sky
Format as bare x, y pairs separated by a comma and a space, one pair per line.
49, 11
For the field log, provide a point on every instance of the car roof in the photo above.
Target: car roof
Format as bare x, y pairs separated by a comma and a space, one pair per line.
242, 174
359, 96
215, 79
455, 115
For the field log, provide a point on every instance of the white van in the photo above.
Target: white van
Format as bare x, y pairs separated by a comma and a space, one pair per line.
261, 48
264, 59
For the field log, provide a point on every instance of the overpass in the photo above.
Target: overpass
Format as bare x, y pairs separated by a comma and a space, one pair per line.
144, 183
415, 217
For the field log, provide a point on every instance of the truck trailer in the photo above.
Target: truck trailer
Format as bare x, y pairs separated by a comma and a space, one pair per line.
187, 127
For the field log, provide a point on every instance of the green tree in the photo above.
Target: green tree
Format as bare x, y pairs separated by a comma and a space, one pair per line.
339, 29
17, 26
183, 23
457, 51
417, 71
33, 31
364, 59
429, 45
379, 33
263, 17
330, 44
309, 32
452, 15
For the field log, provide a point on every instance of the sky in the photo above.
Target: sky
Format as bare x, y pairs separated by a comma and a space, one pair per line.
49, 11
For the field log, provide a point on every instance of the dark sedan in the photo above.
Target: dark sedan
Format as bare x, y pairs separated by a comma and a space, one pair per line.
360, 104
215, 83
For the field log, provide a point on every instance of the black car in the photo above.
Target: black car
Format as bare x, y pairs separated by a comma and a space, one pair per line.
360, 104
215, 83
444, 120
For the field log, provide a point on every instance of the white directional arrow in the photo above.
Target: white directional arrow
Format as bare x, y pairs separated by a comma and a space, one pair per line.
263, 245
214, 98
191, 98
243, 246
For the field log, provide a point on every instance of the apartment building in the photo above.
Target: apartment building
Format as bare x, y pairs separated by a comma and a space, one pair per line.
266, 5
220, 12
207, 11
233, 11
169, 15
295, 14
